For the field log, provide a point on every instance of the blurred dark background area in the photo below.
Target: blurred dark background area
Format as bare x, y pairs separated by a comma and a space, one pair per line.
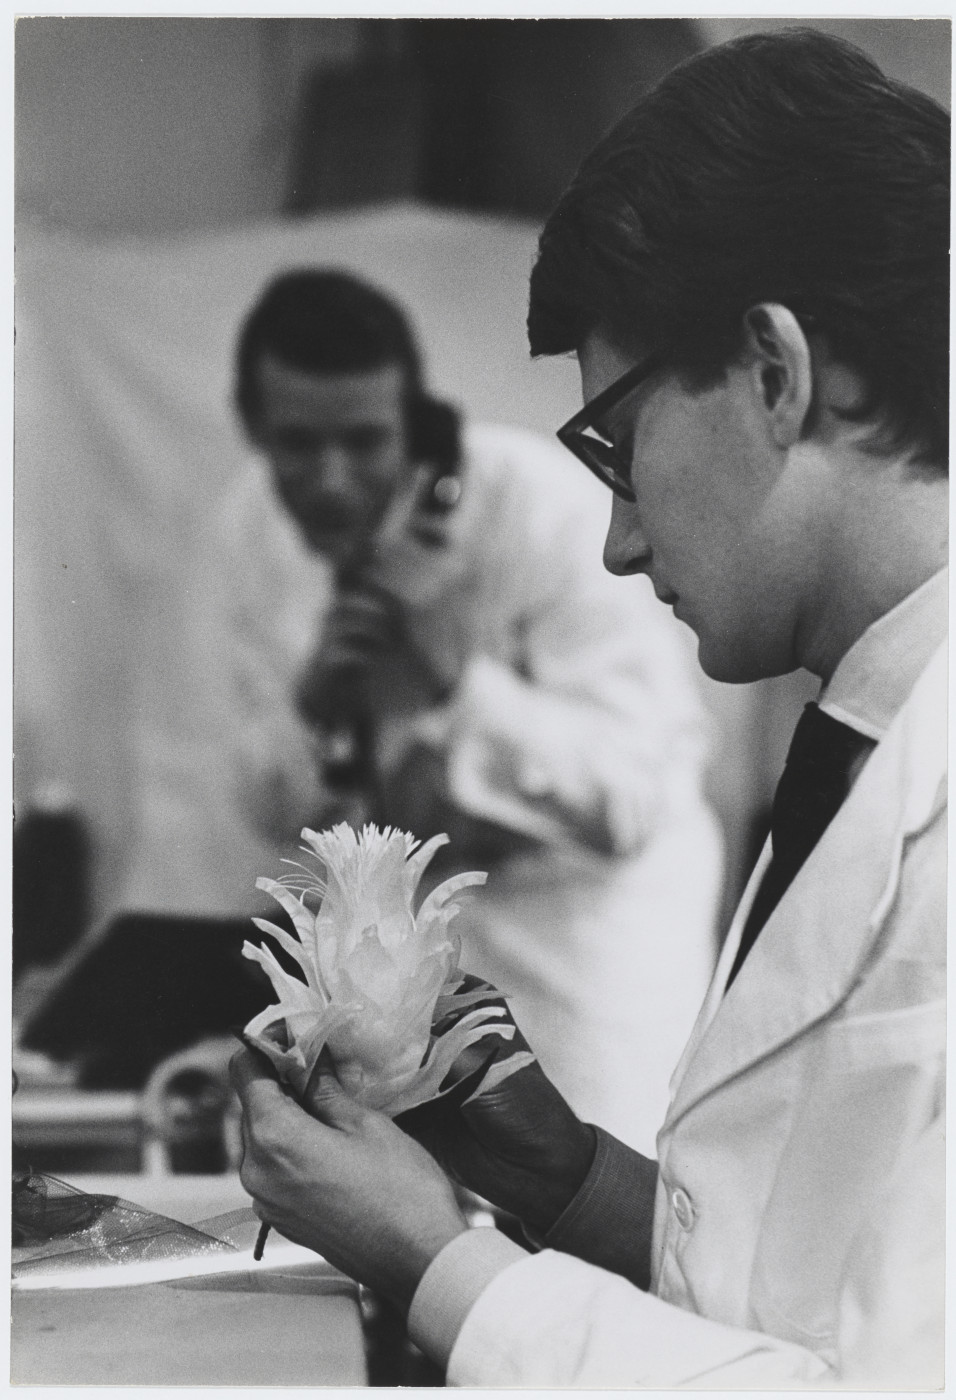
478, 114
152, 125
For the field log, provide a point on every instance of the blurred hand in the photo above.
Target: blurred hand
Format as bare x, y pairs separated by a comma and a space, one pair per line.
519, 1144
416, 798
363, 624
342, 1180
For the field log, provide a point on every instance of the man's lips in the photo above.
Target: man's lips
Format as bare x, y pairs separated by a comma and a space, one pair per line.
320, 522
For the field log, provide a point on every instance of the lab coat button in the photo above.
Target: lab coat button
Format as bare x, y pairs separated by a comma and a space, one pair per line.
683, 1208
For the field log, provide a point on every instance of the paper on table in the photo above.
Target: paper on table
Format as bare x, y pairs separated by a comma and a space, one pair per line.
284, 1268
116, 1244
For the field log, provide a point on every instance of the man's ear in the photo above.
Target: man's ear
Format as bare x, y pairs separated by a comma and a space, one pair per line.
782, 367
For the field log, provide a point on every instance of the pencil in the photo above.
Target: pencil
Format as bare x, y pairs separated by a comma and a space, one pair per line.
261, 1238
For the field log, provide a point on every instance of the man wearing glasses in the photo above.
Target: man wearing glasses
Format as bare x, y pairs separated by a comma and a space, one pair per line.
753, 271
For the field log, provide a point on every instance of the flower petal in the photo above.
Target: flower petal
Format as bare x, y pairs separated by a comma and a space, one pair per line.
443, 892
261, 1023
416, 863
295, 950
292, 991
450, 1002
442, 1056
302, 918
502, 1070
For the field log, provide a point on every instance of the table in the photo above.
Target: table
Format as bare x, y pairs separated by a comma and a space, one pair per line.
266, 1329
161, 1334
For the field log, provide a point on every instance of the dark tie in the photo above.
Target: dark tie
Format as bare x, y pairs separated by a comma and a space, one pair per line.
823, 761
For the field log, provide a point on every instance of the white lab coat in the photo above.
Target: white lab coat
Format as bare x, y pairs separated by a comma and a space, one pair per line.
799, 1215
574, 709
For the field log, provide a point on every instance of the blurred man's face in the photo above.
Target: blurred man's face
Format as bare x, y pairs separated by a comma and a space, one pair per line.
337, 447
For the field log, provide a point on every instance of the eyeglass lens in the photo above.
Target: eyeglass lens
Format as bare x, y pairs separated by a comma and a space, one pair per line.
603, 459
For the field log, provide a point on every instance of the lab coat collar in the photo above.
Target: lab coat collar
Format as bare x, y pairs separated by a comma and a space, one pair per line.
812, 947
871, 683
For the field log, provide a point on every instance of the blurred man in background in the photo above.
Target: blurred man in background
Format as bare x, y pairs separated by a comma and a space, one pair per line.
417, 631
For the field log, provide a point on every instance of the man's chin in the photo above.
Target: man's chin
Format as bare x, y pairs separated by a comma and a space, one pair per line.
336, 545
735, 665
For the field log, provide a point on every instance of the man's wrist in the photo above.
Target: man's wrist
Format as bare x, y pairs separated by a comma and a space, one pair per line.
452, 1285
417, 1257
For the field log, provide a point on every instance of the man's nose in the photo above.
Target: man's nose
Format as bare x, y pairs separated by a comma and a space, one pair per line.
332, 469
626, 550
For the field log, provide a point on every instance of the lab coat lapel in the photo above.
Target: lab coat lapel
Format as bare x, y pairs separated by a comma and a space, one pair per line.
808, 954
718, 983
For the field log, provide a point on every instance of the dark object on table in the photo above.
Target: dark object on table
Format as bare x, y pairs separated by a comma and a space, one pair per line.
45, 1209
58, 1228
152, 985
51, 878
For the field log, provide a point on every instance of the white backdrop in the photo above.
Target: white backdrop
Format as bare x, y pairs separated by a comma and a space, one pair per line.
125, 436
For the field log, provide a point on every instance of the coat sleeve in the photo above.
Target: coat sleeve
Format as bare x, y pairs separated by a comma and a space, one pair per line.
610, 1220
551, 1320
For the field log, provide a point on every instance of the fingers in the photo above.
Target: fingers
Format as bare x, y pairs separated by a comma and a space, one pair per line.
253, 1078
321, 1070
364, 620
264, 1099
365, 614
323, 1089
327, 1101
270, 1114
245, 1075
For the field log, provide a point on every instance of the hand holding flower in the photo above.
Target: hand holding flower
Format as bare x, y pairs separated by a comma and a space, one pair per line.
342, 1179
382, 1019
514, 1140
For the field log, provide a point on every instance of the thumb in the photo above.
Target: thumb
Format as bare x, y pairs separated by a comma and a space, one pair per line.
325, 1098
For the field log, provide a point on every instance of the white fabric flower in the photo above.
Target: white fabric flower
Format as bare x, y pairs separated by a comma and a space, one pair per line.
376, 974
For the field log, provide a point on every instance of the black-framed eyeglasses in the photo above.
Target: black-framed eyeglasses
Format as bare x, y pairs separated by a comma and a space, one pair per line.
584, 436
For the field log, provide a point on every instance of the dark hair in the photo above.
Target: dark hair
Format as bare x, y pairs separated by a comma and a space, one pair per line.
325, 322
784, 168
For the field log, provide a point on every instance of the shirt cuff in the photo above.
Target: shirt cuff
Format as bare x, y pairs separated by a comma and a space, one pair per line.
610, 1221
452, 1284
